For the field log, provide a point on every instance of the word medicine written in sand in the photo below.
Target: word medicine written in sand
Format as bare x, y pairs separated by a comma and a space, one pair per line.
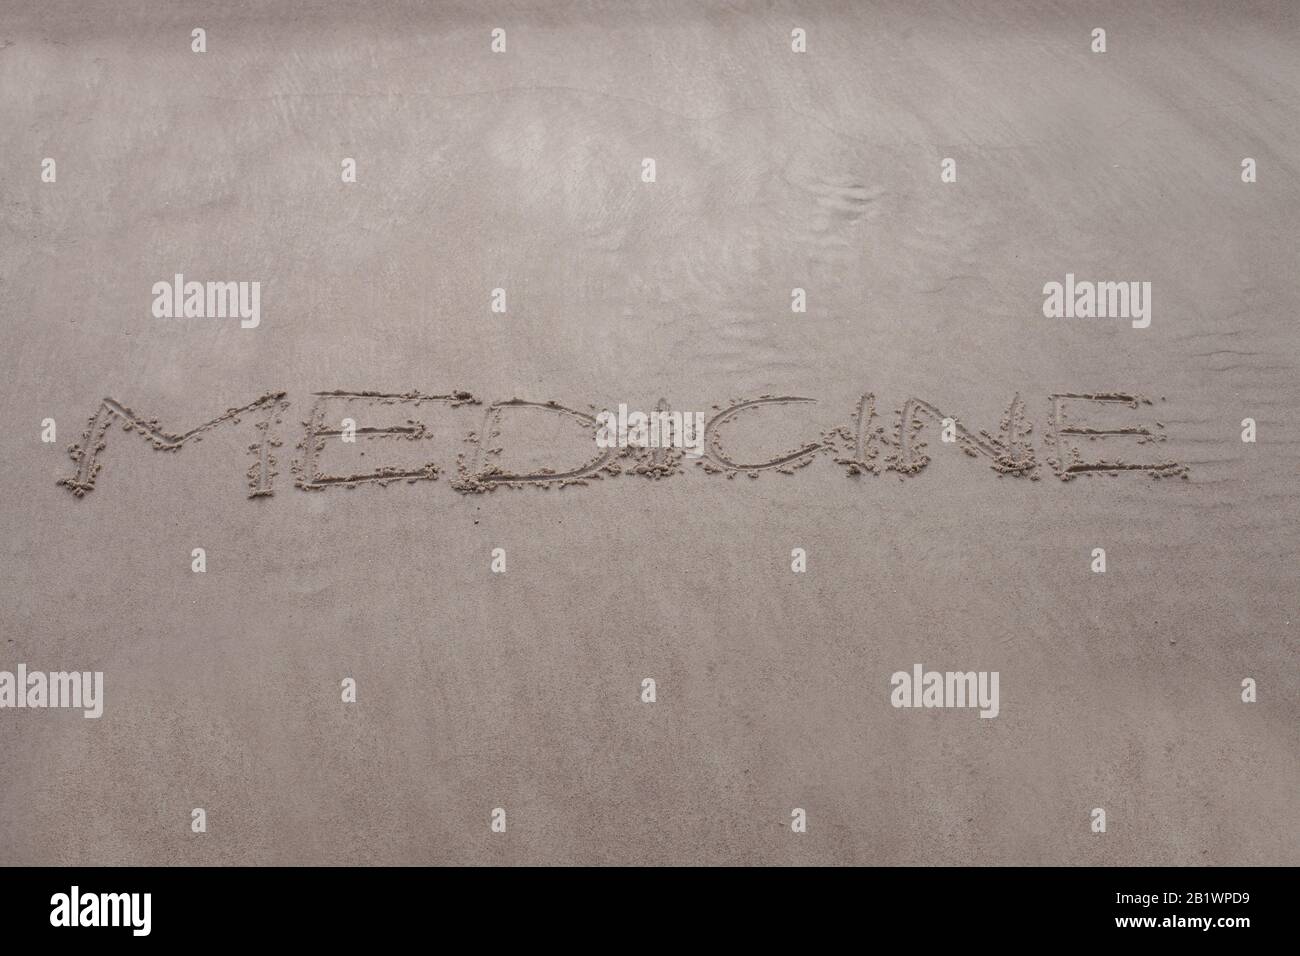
418, 433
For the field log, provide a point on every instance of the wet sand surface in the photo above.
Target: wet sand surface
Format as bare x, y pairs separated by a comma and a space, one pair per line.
774, 170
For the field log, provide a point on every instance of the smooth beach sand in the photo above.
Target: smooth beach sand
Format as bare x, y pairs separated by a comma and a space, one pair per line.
774, 170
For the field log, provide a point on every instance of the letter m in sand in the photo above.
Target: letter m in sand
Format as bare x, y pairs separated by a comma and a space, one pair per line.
95, 439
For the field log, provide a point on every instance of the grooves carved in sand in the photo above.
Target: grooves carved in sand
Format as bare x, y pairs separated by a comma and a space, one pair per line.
1068, 462
95, 439
857, 446
1009, 452
485, 474
307, 474
717, 459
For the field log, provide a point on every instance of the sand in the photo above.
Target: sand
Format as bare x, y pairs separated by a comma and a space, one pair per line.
522, 171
